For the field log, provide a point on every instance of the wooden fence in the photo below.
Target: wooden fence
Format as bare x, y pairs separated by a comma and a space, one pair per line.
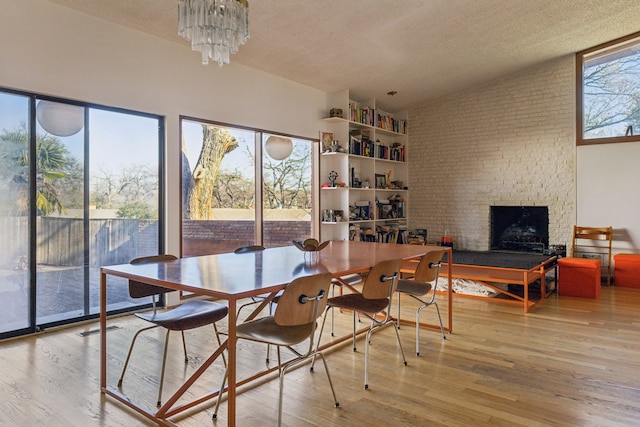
60, 240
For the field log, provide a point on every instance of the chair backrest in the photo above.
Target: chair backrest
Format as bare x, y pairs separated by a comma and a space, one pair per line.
303, 300
245, 249
139, 289
428, 268
592, 234
596, 241
381, 280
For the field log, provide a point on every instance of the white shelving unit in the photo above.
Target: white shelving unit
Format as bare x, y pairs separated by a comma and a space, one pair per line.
367, 175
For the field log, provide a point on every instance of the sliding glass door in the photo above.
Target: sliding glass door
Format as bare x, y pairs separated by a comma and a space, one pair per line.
80, 188
15, 289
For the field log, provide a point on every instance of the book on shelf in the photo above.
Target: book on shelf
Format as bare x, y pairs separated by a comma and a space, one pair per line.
382, 151
396, 152
360, 144
376, 118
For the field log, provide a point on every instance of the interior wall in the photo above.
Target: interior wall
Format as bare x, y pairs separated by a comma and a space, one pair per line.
607, 177
509, 142
53, 50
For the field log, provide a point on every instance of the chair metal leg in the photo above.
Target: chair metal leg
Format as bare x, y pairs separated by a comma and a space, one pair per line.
444, 337
324, 318
184, 347
215, 329
295, 362
418, 311
224, 382
326, 368
375, 325
133, 341
395, 328
164, 364
269, 345
354, 331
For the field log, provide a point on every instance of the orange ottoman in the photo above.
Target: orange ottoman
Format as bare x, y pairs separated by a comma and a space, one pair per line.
579, 277
627, 270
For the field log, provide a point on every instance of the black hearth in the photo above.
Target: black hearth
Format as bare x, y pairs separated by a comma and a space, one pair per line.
520, 228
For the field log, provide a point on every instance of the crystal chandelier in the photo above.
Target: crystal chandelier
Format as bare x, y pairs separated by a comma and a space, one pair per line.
215, 27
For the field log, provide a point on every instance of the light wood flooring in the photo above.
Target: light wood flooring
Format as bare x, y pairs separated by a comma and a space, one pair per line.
571, 362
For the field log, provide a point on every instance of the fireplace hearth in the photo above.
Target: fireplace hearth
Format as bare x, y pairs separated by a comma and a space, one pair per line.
520, 228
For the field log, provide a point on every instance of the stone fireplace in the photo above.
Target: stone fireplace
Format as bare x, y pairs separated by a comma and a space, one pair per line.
520, 228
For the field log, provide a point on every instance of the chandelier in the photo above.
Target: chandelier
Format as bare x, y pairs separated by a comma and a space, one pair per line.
216, 28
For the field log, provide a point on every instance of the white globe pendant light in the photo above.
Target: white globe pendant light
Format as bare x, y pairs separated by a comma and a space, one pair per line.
60, 119
278, 147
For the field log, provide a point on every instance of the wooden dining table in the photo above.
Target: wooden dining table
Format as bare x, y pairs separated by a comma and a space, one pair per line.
233, 277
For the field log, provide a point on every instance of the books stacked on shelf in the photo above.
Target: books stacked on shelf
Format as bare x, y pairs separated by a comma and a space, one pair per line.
360, 144
396, 152
362, 115
387, 122
382, 151
376, 118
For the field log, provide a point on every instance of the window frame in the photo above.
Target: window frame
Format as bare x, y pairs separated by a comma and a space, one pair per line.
259, 183
580, 140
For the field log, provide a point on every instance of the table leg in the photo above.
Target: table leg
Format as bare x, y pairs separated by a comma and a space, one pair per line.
103, 332
231, 366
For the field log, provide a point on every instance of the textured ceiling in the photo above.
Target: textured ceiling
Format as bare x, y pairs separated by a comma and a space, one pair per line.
423, 49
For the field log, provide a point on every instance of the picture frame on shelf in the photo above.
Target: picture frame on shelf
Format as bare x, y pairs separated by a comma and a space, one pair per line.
327, 139
381, 180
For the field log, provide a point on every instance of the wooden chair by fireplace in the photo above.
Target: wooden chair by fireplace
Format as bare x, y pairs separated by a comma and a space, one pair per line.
593, 242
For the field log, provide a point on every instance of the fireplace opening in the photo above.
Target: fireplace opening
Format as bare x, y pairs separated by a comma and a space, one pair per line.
520, 228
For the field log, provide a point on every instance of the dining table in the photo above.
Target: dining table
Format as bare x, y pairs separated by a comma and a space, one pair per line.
233, 277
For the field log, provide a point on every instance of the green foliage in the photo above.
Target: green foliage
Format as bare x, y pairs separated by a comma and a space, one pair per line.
137, 209
52, 161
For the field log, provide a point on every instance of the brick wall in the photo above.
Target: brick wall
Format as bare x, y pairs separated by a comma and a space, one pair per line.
209, 237
509, 142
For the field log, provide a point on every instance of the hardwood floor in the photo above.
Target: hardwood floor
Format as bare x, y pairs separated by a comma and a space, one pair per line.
572, 362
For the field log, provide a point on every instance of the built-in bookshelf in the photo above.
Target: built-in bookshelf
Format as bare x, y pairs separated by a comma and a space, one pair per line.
367, 148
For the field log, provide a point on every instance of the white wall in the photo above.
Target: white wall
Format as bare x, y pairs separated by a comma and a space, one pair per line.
53, 50
509, 142
607, 178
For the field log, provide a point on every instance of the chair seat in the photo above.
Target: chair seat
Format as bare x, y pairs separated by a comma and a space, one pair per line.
359, 303
190, 315
413, 287
266, 330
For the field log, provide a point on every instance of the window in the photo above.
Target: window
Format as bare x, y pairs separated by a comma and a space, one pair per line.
71, 202
608, 95
234, 194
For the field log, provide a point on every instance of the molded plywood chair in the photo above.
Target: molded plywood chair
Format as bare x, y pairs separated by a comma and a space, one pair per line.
294, 321
425, 281
595, 241
375, 300
190, 315
258, 299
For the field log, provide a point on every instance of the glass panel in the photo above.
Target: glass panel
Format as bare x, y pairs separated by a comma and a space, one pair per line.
611, 91
119, 223
287, 193
59, 165
218, 188
124, 198
14, 208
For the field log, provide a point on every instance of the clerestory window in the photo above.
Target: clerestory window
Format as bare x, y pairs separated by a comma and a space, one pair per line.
608, 92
